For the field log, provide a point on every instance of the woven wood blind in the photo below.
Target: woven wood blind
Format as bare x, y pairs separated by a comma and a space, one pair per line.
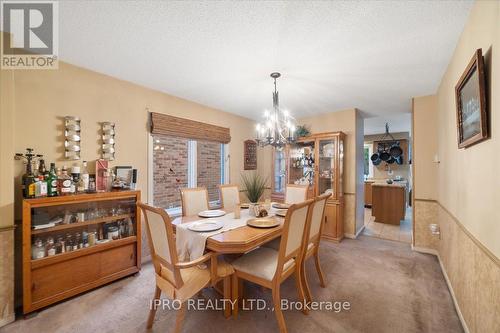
190, 129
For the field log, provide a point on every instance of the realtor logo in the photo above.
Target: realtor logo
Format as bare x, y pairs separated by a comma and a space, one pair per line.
30, 34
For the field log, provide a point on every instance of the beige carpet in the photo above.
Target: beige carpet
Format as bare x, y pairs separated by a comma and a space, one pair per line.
390, 289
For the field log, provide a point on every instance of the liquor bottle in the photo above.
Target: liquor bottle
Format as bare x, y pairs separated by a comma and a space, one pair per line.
41, 187
85, 176
42, 170
64, 182
28, 177
52, 181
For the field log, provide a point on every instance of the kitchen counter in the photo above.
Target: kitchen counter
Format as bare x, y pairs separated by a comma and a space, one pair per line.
388, 202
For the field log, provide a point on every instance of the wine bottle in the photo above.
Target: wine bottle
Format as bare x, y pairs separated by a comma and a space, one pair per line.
52, 181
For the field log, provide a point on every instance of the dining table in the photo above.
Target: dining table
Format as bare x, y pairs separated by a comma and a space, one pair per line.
239, 240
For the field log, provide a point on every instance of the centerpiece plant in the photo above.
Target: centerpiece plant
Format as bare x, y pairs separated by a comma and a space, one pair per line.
254, 186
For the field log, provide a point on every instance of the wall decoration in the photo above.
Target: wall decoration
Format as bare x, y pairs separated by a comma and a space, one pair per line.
108, 141
470, 94
250, 155
72, 138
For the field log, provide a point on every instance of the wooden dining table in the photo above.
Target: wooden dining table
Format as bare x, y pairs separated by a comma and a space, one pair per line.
239, 240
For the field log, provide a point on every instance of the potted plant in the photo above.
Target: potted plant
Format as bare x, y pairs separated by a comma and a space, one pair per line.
253, 186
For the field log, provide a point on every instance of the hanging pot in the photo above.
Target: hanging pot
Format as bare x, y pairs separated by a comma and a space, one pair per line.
391, 160
377, 162
400, 160
375, 158
384, 156
395, 150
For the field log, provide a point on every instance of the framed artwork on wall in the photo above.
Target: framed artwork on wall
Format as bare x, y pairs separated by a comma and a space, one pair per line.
250, 155
470, 94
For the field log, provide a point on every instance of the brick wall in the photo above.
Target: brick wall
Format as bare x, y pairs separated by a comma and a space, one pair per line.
209, 154
170, 170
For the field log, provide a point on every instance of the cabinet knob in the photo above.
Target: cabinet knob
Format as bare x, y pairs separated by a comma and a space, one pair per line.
33, 286
326, 219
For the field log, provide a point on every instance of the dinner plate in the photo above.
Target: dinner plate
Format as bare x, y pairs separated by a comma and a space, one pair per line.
281, 212
245, 205
281, 205
212, 213
204, 226
263, 222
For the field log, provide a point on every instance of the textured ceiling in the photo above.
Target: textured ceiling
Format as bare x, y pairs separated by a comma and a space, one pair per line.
373, 55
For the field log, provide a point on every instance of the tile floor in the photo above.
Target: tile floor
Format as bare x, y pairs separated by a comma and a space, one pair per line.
401, 233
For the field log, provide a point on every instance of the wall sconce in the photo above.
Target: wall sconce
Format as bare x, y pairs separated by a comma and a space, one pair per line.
72, 138
108, 141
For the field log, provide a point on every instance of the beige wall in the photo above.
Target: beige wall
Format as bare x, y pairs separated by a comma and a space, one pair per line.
468, 181
462, 192
43, 97
344, 121
6, 197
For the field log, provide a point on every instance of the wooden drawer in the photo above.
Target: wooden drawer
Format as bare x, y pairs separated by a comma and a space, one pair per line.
118, 259
65, 276
54, 279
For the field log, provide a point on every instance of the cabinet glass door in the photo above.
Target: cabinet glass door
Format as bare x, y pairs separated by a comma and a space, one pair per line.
326, 166
58, 229
301, 164
279, 172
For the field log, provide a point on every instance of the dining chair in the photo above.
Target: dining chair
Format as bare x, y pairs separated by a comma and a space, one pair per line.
295, 193
269, 268
313, 236
179, 281
229, 196
194, 200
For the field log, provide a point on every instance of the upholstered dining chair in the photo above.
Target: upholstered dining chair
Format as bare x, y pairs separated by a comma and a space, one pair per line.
179, 280
295, 193
194, 200
229, 196
313, 235
269, 268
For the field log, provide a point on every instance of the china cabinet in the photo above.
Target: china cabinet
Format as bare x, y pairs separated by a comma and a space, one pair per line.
74, 243
318, 161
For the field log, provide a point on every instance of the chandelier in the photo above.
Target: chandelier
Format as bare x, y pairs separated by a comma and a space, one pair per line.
278, 128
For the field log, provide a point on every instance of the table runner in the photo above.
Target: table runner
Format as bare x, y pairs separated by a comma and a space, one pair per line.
191, 244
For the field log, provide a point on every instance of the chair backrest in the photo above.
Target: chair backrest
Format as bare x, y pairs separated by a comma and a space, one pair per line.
194, 200
229, 196
295, 193
296, 223
317, 215
162, 244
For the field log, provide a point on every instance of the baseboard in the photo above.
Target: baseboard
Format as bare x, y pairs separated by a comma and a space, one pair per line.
352, 236
425, 250
7, 320
448, 283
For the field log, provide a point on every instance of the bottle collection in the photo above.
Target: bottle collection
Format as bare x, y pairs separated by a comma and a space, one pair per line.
38, 181
306, 160
72, 241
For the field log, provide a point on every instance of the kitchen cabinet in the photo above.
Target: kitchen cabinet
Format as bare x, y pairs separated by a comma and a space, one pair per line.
389, 203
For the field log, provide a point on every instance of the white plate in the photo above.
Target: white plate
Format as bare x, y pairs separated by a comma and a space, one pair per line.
281, 212
212, 213
204, 226
279, 205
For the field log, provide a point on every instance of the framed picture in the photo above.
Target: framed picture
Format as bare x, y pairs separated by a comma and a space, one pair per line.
250, 155
470, 94
124, 173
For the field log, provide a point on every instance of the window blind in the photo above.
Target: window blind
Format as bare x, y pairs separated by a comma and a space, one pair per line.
186, 128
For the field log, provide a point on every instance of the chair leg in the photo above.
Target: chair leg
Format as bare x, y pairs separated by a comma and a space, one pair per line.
300, 290
277, 309
227, 296
305, 283
318, 268
152, 312
181, 313
235, 295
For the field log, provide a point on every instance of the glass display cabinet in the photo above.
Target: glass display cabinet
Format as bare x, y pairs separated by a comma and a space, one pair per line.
318, 161
74, 243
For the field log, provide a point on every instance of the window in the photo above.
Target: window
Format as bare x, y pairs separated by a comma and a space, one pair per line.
180, 162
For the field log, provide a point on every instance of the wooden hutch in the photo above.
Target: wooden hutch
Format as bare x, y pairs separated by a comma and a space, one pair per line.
316, 160
73, 243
